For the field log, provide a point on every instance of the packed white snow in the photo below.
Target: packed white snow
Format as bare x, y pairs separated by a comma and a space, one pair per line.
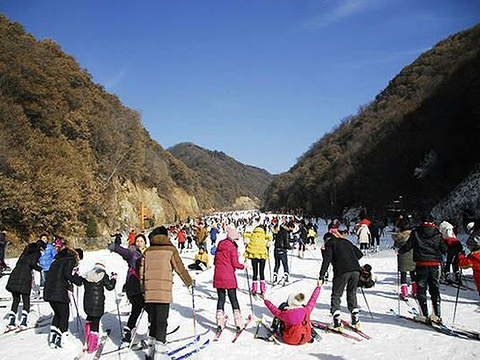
392, 338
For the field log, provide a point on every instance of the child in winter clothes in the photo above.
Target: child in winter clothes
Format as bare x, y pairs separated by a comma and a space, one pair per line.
473, 259
257, 251
20, 282
200, 260
405, 262
181, 238
366, 280
224, 279
95, 281
295, 326
454, 249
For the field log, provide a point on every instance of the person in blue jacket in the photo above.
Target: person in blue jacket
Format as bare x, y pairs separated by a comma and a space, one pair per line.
46, 259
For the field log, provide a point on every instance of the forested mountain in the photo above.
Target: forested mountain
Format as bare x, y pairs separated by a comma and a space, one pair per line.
418, 140
72, 157
227, 179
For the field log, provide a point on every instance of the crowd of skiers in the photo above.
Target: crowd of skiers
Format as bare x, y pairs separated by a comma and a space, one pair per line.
426, 252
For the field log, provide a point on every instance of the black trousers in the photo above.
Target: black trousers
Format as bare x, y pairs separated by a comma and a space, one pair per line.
158, 318
280, 255
428, 277
16, 301
94, 323
350, 280
403, 277
61, 313
138, 303
258, 268
232, 296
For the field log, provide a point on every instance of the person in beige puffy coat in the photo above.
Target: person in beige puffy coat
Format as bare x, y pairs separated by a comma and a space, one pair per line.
156, 274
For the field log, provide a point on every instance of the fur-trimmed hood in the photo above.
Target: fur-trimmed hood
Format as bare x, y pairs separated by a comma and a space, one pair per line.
95, 275
159, 240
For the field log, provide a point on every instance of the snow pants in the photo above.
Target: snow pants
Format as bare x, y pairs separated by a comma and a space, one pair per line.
350, 280
61, 313
428, 277
158, 319
138, 303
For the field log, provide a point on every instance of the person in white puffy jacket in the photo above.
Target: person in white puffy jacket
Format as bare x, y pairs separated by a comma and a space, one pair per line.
364, 236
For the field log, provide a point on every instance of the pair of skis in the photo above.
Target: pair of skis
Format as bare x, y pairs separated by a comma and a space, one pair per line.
327, 328
99, 351
440, 327
41, 322
237, 334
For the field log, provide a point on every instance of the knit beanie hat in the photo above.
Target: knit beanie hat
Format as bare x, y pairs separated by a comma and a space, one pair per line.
99, 266
232, 233
295, 299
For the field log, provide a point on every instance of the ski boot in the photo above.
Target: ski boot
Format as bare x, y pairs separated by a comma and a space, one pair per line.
404, 292
127, 335
160, 352
275, 278
23, 323
221, 320
413, 290
355, 319
55, 340
12, 317
254, 287
284, 279
263, 287
92, 342
237, 319
337, 322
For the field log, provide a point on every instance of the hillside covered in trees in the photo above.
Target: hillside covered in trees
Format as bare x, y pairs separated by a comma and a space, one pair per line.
418, 139
227, 179
73, 159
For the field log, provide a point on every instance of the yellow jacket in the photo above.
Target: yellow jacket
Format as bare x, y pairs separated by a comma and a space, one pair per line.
202, 257
257, 246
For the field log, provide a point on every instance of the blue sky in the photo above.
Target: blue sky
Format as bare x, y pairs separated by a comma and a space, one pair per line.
260, 80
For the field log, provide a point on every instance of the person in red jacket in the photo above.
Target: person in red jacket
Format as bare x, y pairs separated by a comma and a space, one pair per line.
473, 259
224, 279
295, 327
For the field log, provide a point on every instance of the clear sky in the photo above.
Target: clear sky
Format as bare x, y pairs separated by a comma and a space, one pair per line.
260, 80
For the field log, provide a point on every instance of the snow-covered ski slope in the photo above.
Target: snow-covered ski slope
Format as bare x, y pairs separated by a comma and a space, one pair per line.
392, 338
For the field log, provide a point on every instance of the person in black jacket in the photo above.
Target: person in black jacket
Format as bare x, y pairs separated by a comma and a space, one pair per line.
281, 246
343, 256
20, 282
95, 281
59, 281
428, 247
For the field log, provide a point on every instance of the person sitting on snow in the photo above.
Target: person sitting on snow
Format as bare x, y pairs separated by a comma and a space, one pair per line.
200, 260
292, 318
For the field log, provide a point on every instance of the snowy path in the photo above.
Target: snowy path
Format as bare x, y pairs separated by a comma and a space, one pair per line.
392, 338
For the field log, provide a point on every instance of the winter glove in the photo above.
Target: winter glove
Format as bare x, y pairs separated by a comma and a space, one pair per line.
111, 246
320, 282
76, 270
113, 276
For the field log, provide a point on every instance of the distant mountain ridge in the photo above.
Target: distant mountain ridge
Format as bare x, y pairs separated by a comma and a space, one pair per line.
418, 140
223, 176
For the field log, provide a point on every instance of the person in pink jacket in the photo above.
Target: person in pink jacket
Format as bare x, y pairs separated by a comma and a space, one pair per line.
224, 279
293, 318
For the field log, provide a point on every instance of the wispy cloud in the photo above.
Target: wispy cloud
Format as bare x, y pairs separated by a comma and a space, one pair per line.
341, 9
113, 81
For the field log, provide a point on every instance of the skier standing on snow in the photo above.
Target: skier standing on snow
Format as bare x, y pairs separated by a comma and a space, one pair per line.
405, 261
57, 285
292, 318
156, 278
95, 281
257, 250
281, 246
133, 256
20, 282
343, 256
224, 279
428, 247
454, 249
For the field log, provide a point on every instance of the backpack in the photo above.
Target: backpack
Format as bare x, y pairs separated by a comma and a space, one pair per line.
298, 334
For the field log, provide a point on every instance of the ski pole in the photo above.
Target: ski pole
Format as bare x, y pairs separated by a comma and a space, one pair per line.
134, 330
366, 302
249, 292
119, 319
456, 298
194, 320
314, 256
79, 321
270, 266
398, 291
